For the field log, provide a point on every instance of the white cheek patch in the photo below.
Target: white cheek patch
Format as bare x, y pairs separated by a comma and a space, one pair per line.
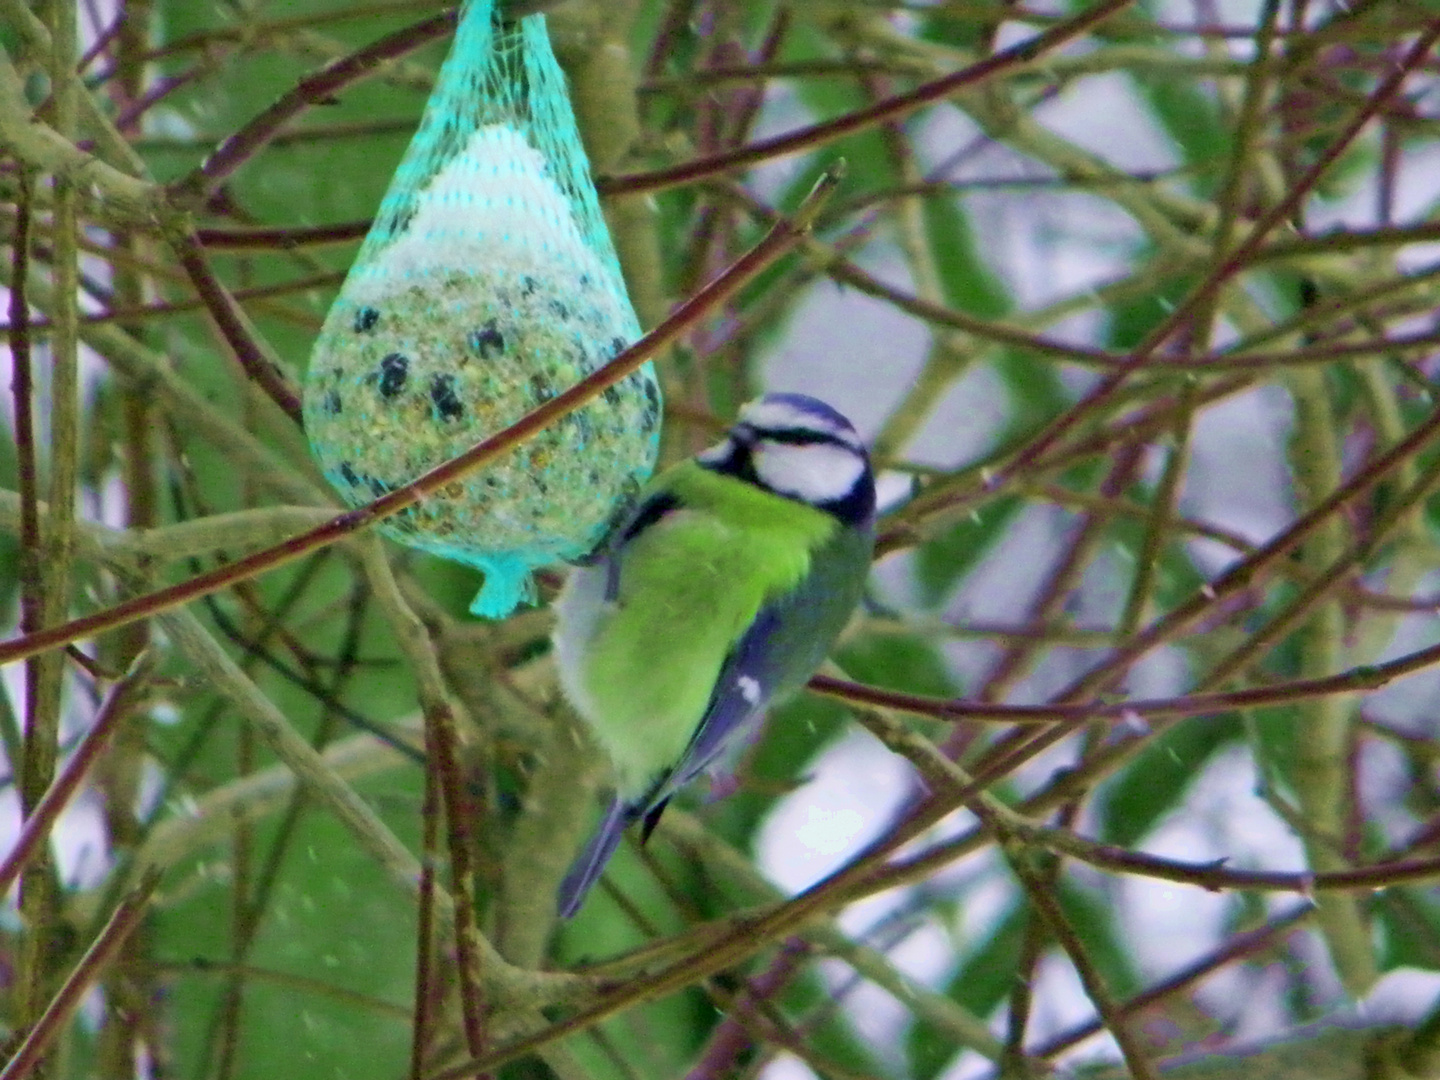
817, 473
782, 416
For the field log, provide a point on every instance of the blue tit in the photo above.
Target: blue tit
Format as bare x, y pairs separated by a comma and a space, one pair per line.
720, 592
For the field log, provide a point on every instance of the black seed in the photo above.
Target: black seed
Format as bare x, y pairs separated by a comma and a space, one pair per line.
365, 320
652, 397
488, 341
542, 390
348, 474
560, 309
442, 393
332, 402
584, 281
379, 487
617, 346
612, 396
528, 285
394, 369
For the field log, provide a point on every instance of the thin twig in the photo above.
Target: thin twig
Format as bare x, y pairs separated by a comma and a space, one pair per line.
235, 328
92, 965
1006, 61
779, 240
114, 711
195, 188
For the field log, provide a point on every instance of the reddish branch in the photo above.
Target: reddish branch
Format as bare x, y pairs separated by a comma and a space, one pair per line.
1229, 265
280, 239
1369, 677
195, 188
126, 917
231, 322
892, 108
426, 984
117, 706
779, 240
1239, 946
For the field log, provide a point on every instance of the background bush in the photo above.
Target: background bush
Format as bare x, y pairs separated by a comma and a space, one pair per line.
1131, 751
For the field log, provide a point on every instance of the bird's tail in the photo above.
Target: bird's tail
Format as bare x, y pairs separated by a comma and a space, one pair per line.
590, 864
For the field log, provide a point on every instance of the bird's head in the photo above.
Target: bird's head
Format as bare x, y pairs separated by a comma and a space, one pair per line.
800, 448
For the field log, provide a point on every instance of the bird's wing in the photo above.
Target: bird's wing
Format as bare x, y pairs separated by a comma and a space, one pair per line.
782, 647
780, 650
737, 705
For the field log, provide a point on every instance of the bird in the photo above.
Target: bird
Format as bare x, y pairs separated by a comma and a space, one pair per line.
719, 593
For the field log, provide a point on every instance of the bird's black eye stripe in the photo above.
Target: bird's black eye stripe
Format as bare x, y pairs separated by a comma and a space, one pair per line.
799, 437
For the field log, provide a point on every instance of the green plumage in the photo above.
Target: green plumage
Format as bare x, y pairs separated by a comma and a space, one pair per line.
688, 587
720, 593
